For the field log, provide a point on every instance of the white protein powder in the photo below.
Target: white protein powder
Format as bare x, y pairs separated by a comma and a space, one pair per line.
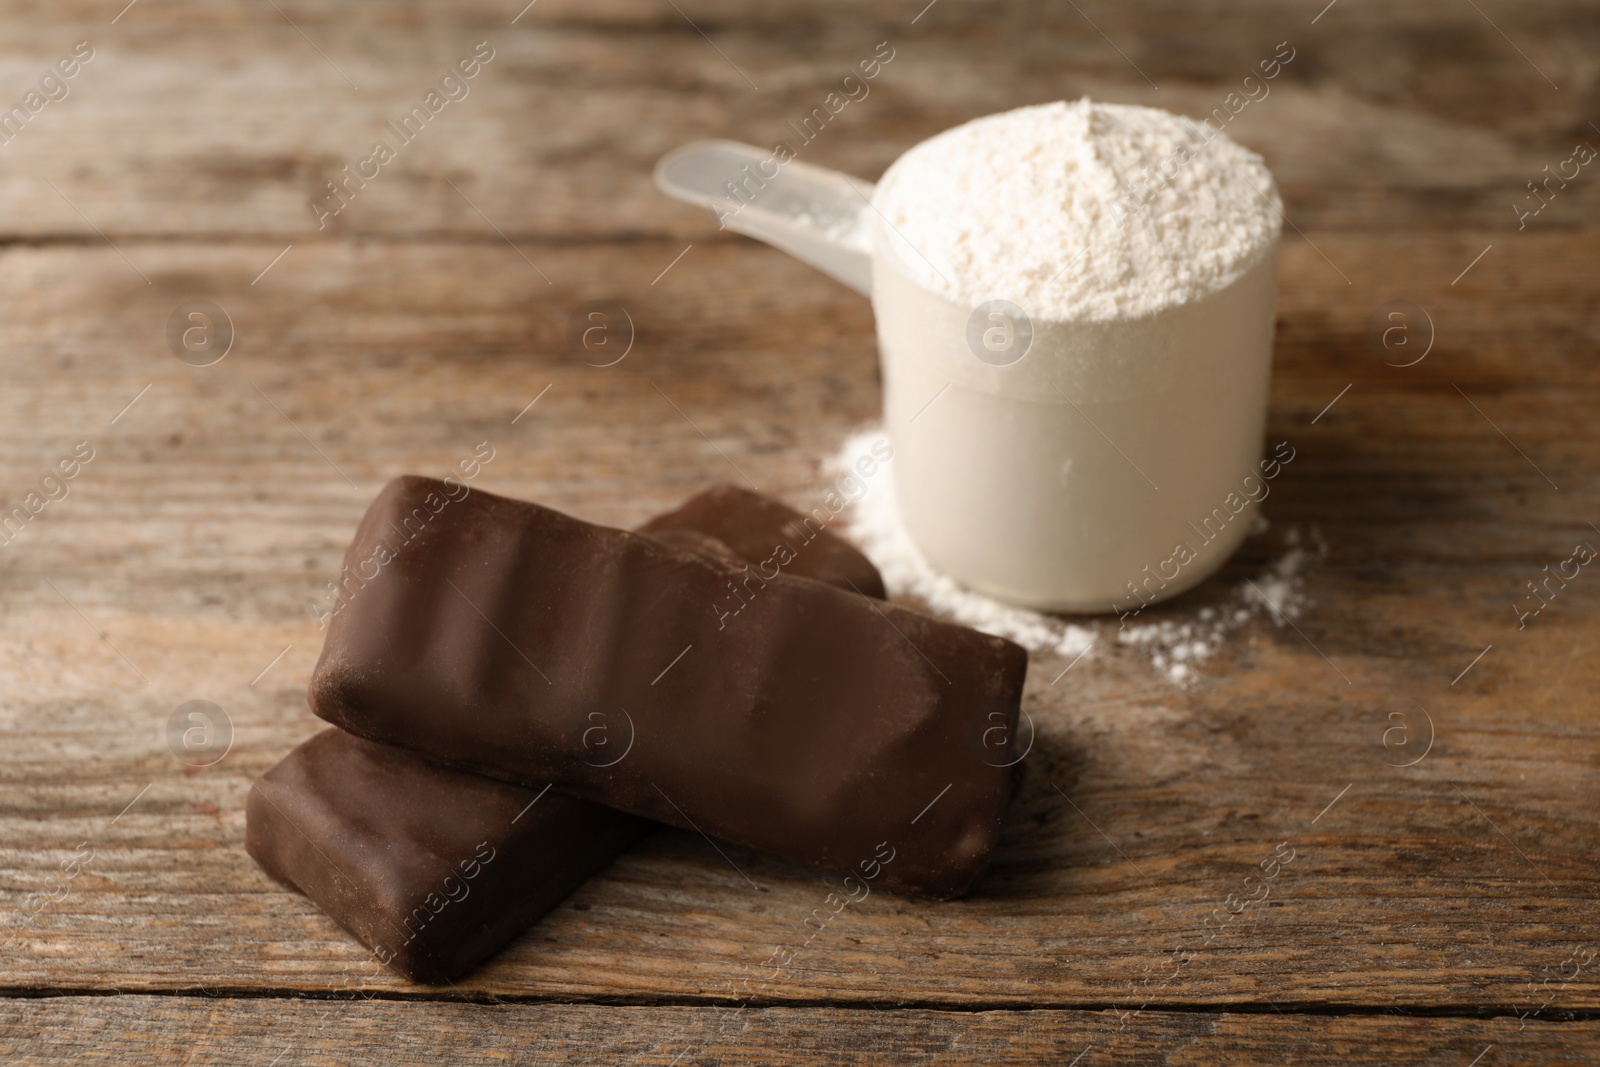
1138, 253
1080, 211
1179, 645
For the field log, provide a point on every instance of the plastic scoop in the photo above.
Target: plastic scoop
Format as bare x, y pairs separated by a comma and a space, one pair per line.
814, 214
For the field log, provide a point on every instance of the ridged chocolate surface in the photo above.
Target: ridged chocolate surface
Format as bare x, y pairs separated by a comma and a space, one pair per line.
436, 869
784, 714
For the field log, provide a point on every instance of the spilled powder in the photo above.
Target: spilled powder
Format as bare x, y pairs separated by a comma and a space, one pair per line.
876, 529
846, 229
1175, 646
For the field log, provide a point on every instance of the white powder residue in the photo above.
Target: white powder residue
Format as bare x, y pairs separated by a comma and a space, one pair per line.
1079, 211
1177, 647
846, 229
875, 526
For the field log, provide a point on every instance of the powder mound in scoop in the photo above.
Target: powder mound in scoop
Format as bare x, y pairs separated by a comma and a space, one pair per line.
1078, 211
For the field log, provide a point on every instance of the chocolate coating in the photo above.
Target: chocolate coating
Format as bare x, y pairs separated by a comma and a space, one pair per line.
432, 868
783, 714
375, 827
760, 529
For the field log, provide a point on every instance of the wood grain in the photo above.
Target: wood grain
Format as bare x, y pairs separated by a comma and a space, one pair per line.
205, 120
253, 1032
1459, 891
1463, 881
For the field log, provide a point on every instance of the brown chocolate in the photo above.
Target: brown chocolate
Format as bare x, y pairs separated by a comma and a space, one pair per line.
773, 538
779, 713
432, 868
435, 869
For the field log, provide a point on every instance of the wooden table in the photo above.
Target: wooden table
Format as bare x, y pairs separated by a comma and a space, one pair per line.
1441, 912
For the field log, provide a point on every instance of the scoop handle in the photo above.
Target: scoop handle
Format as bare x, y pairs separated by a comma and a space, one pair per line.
816, 215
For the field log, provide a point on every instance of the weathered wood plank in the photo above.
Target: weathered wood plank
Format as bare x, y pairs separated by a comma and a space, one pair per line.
296, 1032
211, 120
201, 531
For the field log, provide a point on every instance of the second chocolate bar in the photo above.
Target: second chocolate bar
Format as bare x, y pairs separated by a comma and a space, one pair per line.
771, 537
433, 869
778, 713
